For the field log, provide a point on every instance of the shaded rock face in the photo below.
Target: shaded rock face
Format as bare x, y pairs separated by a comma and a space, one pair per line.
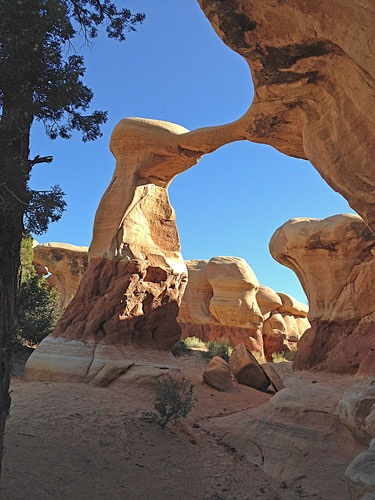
224, 302
66, 263
334, 261
314, 76
247, 370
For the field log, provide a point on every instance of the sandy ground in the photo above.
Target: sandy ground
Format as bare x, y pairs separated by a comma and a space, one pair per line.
69, 441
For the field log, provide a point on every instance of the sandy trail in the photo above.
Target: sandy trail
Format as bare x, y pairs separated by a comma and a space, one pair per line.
69, 441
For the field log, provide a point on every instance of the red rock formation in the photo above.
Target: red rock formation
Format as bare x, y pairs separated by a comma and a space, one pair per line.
334, 260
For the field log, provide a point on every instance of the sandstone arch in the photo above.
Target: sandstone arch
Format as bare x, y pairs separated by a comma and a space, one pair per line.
313, 71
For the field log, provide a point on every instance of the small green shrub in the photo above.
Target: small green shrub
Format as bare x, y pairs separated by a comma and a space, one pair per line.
283, 356
215, 348
174, 398
38, 305
195, 343
180, 348
38, 309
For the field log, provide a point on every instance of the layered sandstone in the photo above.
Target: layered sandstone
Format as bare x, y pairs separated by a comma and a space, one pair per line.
65, 265
224, 302
131, 291
334, 261
220, 304
313, 71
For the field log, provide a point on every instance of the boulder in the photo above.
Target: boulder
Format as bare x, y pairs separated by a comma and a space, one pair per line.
66, 265
247, 370
267, 299
218, 374
357, 410
334, 261
270, 371
292, 306
361, 474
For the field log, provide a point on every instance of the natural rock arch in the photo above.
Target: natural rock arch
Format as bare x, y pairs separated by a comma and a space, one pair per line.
313, 80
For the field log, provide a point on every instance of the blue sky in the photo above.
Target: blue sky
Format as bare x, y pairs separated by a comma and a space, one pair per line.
176, 68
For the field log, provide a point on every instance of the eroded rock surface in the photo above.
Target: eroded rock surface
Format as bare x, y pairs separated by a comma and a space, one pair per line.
334, 261
131, 291
298, 436
224, 302
66, 265
314, 79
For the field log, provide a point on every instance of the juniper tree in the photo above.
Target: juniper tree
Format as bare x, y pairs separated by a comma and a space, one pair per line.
40, 79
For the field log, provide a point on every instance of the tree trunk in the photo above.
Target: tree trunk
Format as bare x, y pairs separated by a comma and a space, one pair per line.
14, 172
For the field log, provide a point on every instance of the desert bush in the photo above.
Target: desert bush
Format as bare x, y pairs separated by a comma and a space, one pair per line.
195, 343
174, 398
283, 356
38, 309
215, 348
38, 305
180, 348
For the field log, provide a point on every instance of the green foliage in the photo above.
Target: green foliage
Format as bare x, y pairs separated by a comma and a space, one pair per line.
44, 207
41, 78
195, 343
38, 305
180, 348
26, 258
38, 309
283, 356
174, 398
221, 349
35, 38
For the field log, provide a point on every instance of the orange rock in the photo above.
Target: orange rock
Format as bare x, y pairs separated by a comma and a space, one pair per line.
218, 374
333, 258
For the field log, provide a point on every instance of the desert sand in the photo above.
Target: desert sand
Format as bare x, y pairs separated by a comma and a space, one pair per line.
68, 441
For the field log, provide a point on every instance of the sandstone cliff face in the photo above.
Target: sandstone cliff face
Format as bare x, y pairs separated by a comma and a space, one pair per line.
334, 260
224, 302
314, 76
66, 263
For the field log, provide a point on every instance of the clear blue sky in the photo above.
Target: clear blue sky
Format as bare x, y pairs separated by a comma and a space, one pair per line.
176, 68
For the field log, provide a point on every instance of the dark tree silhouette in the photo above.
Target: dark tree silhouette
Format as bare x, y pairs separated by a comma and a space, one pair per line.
39, 80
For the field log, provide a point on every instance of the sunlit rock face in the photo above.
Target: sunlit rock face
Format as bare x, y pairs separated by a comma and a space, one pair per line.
220, 303
132, 288
136, 276
334, 261
284, 325
66, 265
223, 301
313, 70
